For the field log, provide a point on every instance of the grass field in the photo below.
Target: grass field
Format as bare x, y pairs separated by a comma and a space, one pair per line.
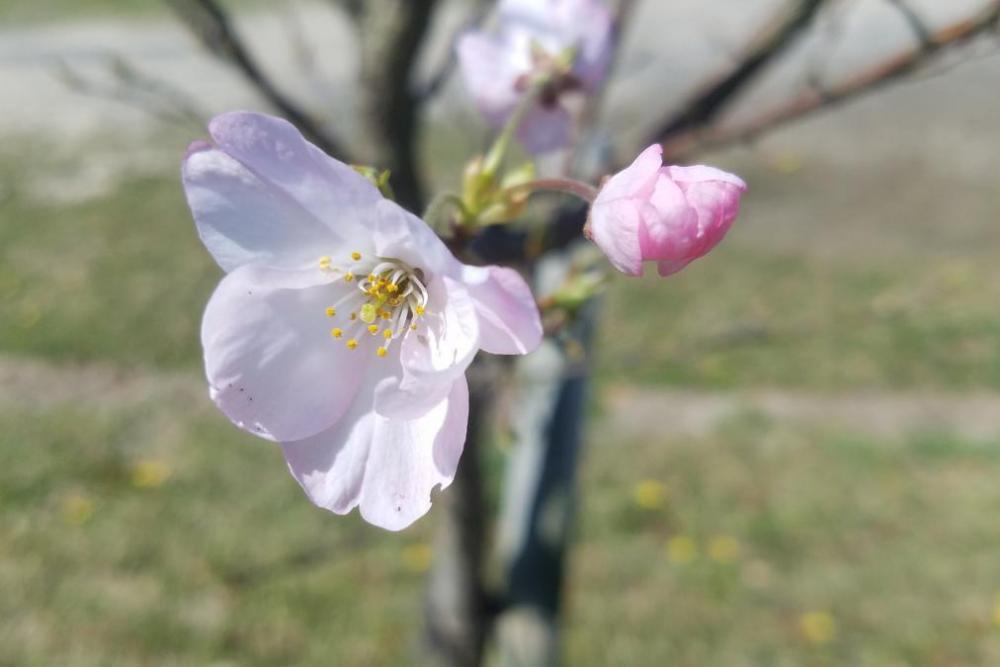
137, 527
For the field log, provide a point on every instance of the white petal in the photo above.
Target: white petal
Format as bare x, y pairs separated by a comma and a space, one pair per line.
388, 466
435, 355
271, 363
409, 458
278, 153
330, 466
509, 322
243, 219
402, 235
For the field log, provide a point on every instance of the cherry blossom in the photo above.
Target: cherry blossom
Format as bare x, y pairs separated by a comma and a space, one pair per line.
343, 326
563, 45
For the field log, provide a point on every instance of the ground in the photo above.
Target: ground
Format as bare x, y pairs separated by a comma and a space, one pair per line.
794, 444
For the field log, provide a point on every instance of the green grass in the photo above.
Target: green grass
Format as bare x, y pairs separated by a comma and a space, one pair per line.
224, 561
34, 11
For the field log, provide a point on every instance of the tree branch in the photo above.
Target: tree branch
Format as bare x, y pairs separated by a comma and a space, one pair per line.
211, 25
392, 32
888, 71
712, 98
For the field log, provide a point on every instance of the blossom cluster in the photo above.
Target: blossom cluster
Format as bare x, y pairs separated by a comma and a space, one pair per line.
344, 325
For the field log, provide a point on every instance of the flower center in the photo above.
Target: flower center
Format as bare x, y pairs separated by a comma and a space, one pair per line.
389, 300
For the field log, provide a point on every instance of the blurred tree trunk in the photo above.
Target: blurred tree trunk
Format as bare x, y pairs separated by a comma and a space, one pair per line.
391, 33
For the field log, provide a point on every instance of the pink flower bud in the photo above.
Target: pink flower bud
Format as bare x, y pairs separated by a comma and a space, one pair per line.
667, 214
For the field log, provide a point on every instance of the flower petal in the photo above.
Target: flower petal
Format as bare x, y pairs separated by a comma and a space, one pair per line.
245, 220
330, 466
278, 153
435, 355
509, 322
637, 179
489, 75
388, 466
614, 227
271, 364
402, 235
409, 458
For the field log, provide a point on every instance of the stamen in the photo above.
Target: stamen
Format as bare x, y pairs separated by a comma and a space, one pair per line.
387, 334
373, 329
348, 276
336, 332
356, 256
381, 351
331, 311
352, 344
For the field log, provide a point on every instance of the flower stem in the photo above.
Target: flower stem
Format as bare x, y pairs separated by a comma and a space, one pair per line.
499, 148
569, 186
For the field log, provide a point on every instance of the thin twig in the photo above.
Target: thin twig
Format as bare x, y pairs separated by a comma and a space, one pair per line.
712, 98
135, 88
890, 70
212, 26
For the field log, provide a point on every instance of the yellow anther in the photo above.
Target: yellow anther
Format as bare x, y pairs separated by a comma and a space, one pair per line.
352, 344
355, 255
331, 311
336, 332
324, 262
348, 276
387, 334
392, 287
381, 352
373, 329
354, 316
371, 277
419, 310
413, 327
368, 313
385, 314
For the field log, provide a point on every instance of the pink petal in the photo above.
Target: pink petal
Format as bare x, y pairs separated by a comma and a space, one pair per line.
410, 458
489, 75
278, 153
272, 366
700, 173
245, 220
635, 180
509, 322
614, 227
670, 225
668, 267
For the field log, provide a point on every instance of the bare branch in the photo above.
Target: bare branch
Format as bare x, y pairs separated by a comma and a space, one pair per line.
888, 71
919, 28
712, 98
211, 25
128, 85
480, 10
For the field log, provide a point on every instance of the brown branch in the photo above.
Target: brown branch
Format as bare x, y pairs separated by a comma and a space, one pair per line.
888, 71
211, 25
712, 98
